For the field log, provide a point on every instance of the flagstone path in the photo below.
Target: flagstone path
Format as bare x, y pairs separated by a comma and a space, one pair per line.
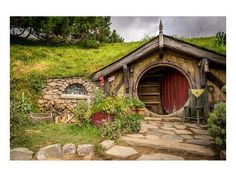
166, 139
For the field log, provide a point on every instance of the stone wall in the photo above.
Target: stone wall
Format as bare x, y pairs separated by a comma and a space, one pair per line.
54, 99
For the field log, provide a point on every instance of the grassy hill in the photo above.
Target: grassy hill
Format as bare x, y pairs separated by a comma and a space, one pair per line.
32, 65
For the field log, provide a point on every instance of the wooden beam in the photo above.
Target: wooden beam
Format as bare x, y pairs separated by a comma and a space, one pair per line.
126, 78
119, 85
219, 83
144, 50
107, 87
176, 44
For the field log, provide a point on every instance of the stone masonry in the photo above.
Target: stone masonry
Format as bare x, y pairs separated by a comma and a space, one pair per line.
54, 99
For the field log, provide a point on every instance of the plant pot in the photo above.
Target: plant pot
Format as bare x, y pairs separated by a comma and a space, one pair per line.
133, 109
140, 111
99, 118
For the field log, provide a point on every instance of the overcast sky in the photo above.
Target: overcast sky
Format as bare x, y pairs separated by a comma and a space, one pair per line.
135, 28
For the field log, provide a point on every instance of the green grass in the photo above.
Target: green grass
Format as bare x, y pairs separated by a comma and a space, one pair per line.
42, 134
31, 65
208, 43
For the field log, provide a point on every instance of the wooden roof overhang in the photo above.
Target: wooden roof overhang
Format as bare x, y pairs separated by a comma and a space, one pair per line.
167, 42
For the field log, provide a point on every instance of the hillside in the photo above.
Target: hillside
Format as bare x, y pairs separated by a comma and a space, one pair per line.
32, 65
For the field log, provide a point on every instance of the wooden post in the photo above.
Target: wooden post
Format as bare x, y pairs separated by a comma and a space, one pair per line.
126, 78
161, 40
204, 68
131, 80
107, 87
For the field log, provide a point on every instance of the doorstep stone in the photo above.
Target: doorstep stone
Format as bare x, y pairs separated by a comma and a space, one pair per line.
178, 126
160, 156
199, 131
183, 132
187, 137
152, 137
172, 138
199, 142
160, 144
121, 151
203, 137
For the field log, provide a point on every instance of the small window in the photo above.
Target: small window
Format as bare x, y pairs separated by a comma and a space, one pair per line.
75, 89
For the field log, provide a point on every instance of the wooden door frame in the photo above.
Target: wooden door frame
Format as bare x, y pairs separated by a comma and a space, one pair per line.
166, 64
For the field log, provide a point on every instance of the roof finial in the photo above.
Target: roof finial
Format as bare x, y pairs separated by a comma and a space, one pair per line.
160, 27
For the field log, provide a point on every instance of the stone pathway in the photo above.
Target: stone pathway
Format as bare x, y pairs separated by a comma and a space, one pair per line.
172, 136
158, 139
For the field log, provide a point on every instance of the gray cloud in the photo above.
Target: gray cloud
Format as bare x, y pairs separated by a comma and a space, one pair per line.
135, 28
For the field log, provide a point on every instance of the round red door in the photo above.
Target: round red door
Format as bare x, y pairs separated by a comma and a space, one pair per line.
174, 91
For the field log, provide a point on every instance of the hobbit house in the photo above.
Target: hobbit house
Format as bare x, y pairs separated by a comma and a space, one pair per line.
159, 73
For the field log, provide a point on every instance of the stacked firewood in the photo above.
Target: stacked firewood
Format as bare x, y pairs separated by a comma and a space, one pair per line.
66, 118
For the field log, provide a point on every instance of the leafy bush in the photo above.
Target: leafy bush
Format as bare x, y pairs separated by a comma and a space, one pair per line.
121, 125
137, 103
20, 109
111, 105
98, 96
82, 113
220, 39
217, 124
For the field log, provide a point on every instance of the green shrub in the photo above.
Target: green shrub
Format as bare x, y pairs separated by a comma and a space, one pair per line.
110, 105
82, 113
137, 103
129, 123
98, 96
217, 124
19, 118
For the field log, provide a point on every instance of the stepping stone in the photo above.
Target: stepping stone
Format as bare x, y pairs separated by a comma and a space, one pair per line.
199, 142
169, 132
199, 131
180, 126
143, 128
135, 135
177, 119
183, 132
152, 118
152, 127
156, 133
168, 125
203, 137
152, 137
192, 125
203, 126
107, 144
172, 138
154, 123
167, 128
21, 154
159, 145
188, 137
121, 151
160, 156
